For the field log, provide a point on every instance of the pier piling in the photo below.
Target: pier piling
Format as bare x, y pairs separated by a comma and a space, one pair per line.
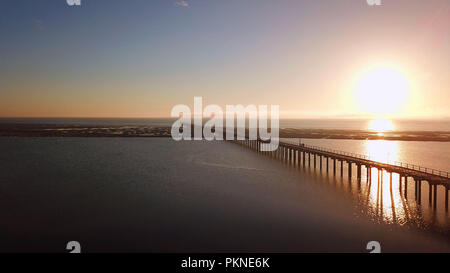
349, 170
296, 155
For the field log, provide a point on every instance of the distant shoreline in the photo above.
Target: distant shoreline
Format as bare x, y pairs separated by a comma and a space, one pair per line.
58, 130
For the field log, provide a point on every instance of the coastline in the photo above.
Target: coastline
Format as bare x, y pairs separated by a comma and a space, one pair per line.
58, 130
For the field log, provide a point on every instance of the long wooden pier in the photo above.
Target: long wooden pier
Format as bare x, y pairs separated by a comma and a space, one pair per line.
302, 154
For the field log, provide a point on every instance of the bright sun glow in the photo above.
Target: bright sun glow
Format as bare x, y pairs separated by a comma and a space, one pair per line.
381, 125
382, 91
382, 150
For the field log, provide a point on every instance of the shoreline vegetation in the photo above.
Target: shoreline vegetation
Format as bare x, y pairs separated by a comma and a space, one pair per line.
58, 130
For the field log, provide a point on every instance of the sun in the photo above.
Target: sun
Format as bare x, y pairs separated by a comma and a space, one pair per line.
382, 91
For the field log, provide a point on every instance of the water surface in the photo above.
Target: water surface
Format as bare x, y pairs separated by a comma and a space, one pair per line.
154, 194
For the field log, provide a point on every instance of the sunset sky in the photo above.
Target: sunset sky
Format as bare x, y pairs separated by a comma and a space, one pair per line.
139, 58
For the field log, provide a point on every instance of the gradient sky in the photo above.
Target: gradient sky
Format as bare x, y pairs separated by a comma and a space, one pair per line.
139, 58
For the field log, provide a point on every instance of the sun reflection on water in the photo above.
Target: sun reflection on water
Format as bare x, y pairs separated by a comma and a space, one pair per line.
383, 197
382, 150
386, 199
383, 194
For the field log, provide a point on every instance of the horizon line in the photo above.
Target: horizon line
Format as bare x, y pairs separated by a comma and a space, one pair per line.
287, 118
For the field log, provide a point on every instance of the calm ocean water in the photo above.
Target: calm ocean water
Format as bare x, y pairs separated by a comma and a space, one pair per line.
155, 194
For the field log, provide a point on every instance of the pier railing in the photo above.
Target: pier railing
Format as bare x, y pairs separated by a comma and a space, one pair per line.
366, 157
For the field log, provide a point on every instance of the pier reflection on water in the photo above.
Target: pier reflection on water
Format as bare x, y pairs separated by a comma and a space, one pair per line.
387, 200
382, 197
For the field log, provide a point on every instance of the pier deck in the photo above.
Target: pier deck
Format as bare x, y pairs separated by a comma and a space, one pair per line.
302, 154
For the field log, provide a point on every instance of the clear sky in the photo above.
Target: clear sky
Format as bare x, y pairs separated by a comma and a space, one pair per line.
139, 58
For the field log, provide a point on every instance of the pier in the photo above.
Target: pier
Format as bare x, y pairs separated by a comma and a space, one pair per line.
314, 157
